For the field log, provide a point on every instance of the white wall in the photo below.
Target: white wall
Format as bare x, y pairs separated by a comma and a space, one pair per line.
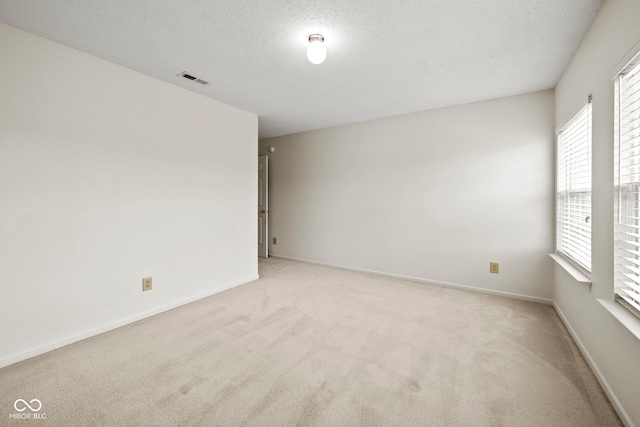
435, 195
107, 176
613, 351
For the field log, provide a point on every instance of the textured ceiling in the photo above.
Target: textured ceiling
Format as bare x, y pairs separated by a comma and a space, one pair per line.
384, 58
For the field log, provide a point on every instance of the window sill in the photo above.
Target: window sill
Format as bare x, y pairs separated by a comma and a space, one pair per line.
578, 275
628, 320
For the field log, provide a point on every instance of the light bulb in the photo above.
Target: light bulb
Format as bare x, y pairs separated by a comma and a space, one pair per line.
316, 52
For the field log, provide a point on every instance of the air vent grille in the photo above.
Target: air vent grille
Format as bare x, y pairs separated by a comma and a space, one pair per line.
193, 78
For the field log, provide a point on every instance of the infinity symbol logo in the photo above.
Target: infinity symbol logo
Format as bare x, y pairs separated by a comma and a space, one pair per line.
26, 405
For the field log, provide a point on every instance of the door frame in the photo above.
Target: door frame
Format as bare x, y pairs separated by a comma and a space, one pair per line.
263, 206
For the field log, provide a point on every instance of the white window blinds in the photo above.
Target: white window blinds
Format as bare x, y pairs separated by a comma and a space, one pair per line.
627, 226
573, 181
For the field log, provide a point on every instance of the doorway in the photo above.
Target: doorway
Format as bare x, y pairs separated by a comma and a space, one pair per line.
263, 206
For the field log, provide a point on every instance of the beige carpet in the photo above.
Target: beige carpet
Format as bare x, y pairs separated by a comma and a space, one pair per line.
314, 346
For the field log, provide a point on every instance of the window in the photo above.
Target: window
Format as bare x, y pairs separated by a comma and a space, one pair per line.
573, 190
627, 181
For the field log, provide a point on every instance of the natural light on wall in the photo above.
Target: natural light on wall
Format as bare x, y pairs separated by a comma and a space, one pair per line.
627, 157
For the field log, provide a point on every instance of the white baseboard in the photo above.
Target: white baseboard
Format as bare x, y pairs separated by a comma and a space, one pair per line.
592, 364
425, 281
19, 357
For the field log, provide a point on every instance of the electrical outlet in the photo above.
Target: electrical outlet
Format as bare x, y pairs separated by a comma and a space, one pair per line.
274, 240
147, 284
494, 268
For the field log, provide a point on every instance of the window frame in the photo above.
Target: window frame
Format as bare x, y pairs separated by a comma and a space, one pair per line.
627, 150
582, 263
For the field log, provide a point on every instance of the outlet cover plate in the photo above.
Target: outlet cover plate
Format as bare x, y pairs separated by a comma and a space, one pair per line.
147, 284
494, 268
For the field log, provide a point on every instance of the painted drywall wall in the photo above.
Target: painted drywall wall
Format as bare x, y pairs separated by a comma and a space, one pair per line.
108, 176
613, 351
434, 196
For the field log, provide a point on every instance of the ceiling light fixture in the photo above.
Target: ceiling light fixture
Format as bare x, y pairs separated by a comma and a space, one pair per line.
316, 52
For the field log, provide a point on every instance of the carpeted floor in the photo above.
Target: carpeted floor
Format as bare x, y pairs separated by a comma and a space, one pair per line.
308, 345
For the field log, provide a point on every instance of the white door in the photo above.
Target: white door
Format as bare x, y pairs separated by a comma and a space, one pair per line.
263, 206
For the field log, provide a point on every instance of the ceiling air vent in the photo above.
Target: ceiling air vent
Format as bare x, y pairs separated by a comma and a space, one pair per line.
193, 78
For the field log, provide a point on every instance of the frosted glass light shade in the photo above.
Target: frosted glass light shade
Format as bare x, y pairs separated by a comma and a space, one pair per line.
316, 52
